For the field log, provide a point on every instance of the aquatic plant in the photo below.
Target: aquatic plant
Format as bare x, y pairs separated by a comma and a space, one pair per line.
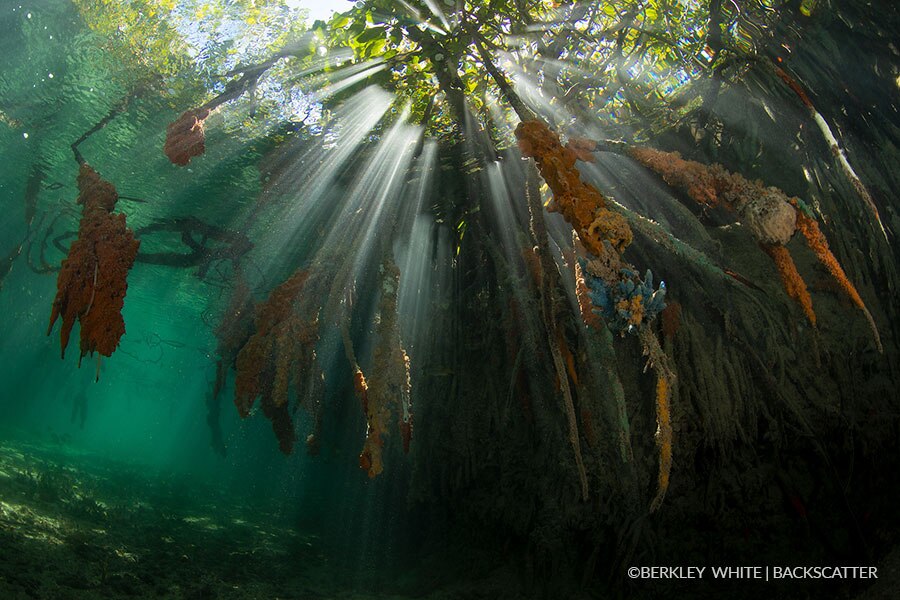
464, 76
92, 283
533, 414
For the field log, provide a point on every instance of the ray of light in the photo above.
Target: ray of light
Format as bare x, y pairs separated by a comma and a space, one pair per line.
528, 89
424, 266
312, 174
413, 12
500, 203
333, 58
347, 77
372, 206
436, 11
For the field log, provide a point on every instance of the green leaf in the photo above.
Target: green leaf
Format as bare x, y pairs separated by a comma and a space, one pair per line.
375, 48
370, 34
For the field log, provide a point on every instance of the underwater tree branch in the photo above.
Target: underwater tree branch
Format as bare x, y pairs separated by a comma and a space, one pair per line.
7, 262
549, 309
834, 145
185, 137
665, 380
522, 111
115, 111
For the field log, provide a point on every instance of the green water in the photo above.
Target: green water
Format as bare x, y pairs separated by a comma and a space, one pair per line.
128, 497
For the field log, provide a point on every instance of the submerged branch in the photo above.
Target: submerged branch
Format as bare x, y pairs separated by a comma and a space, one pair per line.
114, 112
549, 308
522, 111
836, 149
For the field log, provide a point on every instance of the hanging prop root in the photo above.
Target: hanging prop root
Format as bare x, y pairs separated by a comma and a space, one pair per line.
816, 241
771, 216
91, 284
232, 332
613, 286
765, 211
185, 137
236, 325
836, 150
205, 244
671, 319
790, 278
582, 293
280, 353
547, 279
606, 285
665, 380
692, 177
663, 440
583, 148
581, 204
360, 385
391, 379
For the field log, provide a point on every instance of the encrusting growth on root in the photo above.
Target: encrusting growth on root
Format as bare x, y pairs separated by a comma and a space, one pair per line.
663, 440
185, 137
692, 177
765, 211
790, 278
771, 216
581, 204
277, 356
391, 380
582, 293
665, 379
614, 288
816, 241
92, 282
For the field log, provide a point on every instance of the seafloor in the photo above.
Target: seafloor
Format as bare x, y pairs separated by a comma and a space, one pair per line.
79, 525
76, 525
